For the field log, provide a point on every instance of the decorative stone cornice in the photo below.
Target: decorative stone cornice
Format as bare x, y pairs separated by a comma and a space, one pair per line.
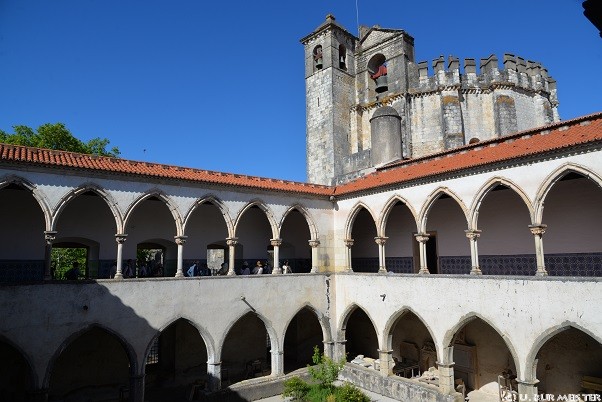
180, 240
313, 243
348, 242
422, 237
232, 241
538, 230
473, 234
120, 238
49, 236
276, 242
380, 240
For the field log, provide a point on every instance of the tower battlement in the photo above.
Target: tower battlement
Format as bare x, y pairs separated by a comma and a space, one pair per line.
348, 79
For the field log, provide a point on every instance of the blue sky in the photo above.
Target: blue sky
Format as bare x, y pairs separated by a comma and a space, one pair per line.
219, 85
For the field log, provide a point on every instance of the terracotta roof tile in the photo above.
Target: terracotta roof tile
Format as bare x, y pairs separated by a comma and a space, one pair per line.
551, 138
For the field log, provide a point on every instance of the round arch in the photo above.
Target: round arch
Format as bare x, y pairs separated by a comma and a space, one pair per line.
548, 334
266, 210
450, 334
35, 192
554, 177
485, 190
163, 197
84, 188
129, 350
353, 214
219, 204
313, 230
430, 201
386, 211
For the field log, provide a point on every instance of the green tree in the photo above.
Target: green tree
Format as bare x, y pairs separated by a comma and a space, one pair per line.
57, 136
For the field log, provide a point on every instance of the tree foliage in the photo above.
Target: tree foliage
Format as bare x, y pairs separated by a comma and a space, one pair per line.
57, 136
63, 258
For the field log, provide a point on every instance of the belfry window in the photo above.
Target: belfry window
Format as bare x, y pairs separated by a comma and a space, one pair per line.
318, 62
377, 67
342, 57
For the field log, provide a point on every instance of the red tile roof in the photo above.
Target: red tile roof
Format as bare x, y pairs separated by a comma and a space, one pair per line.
551, 138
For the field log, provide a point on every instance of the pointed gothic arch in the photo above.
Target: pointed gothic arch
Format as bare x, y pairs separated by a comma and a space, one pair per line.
353, 212
266, 210
218, 203
386, 211
96, 189
157, 193
327, 336
486, 189
38, 195
31, 380
430, 201
313, 229
387, 335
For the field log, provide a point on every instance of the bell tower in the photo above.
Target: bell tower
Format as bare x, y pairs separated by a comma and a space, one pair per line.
329, 96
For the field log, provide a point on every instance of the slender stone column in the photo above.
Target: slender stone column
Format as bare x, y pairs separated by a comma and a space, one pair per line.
329, 347
527, 390
386, 362
137, 388
422, 238
277, 363
339, 350
447, 384
231, 242
276, 244
473, 235
214, 374
314, 243
538, 231
49, 236
381, 240
180, 241
120, 238
349, 244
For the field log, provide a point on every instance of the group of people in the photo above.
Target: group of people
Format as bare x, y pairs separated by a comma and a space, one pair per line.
145, 270
196, 269
261, 268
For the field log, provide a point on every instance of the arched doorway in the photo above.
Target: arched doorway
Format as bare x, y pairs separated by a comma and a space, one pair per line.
16, 381
413, 347
246, 350
295, 247
364, 250
360, 336
93, 366
400, 228
177, 359
302, 335
566, 360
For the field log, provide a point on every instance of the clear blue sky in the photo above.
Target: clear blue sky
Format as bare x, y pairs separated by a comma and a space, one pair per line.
219, 85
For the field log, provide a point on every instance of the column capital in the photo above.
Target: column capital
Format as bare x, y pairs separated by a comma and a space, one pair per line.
446, 365
348, 242
538, 230
120, 238
422, 237
49, 236
276, 242
180, 240
232, 241
473, 234
380, 240
313, 243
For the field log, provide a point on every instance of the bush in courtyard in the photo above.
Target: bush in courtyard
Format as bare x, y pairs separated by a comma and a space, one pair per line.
296, 388
350, 393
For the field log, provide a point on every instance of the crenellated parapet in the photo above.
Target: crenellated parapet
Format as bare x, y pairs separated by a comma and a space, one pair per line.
515, 72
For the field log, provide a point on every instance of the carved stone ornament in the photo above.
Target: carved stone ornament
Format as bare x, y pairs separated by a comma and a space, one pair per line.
422, 237
49, 236
232, 241
121, 238
380, 240
276, 242
314, 243
473, 234
348, 242
180, 240
538, 230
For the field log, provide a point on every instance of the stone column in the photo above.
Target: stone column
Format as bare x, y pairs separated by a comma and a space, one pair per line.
473, 235
339, 350
538, 231
447, 384
349, 244
214, 376
277, 363
137, 388
120, 238
422, 238
527, 390
314, 243
381, 240
49, 236
276, 244
231, 242
329, 347
386, 362
180, 241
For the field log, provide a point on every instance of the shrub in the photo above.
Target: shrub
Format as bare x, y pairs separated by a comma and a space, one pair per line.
296, 388
350, 393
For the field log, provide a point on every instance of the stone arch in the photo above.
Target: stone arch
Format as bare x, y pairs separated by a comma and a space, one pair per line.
207, 338
353, 214
544, 337
386, 211
274, 341
266, 210
430, 201
554, 177
345, 318
210, 198
367, 343
35, 192
33, 375
448, 339
173, 209
313, 230
129, 350
84, 188
326, 334
486, 189
387, 335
